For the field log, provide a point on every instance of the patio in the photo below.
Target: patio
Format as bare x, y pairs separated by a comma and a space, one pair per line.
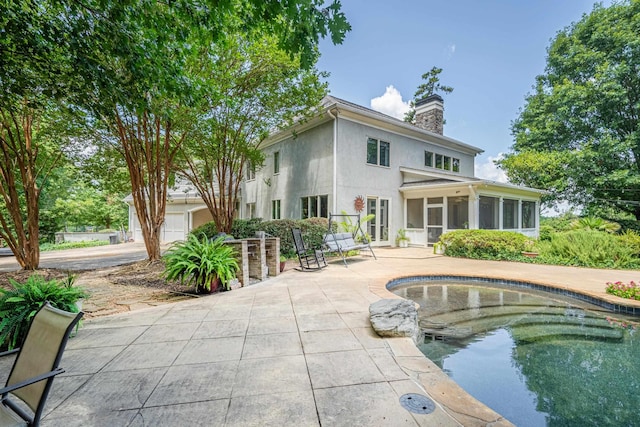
294, 350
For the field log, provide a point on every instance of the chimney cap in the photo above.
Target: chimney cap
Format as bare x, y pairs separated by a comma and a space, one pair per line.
430, 98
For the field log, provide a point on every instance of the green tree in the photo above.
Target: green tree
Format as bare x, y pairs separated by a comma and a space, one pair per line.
578, 134
32, 117
134, 58
430, 86
258, 87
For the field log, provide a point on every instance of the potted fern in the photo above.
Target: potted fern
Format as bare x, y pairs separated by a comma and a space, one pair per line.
202, 263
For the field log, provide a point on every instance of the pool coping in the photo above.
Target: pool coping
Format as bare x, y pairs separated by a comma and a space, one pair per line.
580, 296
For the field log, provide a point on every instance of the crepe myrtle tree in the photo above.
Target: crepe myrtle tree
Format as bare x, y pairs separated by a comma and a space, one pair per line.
136, 61
258, 88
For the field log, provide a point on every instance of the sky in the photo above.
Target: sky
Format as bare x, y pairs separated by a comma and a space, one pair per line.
490, 52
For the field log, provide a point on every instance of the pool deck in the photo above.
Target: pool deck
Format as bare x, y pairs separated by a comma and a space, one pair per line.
294, 350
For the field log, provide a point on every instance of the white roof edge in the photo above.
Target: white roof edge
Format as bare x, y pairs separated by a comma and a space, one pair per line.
475, 183
330, 103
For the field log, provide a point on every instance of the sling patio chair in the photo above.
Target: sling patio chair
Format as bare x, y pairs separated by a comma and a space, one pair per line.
35, 366
310, 259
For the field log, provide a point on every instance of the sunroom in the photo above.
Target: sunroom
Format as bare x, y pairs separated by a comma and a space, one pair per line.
435, 206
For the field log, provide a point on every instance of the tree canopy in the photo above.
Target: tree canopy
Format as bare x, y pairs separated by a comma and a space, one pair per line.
127, 65
578, 134
430, 86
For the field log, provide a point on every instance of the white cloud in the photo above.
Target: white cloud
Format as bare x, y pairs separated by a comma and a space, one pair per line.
451, 50
391, 103
489, 170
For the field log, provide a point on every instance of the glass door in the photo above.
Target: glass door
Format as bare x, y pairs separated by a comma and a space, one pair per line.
435, 206
378, 227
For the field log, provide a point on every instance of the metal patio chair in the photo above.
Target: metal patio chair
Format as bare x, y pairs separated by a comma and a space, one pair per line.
310, 259
35, 366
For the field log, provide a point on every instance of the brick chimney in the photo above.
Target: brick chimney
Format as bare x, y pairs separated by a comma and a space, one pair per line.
430, 114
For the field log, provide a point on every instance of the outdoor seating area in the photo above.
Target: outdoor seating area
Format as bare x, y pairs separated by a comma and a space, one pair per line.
35, 366
343, 243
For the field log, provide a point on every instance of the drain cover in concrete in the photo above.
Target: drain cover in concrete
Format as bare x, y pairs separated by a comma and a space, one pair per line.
417, 403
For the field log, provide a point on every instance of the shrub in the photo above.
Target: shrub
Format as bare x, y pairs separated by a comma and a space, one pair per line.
485, 244
209, 229
624, 290
245, 228
595, 224
199, 261
19, 304
588, 249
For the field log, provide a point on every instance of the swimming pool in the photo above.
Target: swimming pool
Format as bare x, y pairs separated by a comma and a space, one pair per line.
536, 358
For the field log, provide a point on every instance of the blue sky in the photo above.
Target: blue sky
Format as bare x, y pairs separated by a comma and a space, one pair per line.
490, 52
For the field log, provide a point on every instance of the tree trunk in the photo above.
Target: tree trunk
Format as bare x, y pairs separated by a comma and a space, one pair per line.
149, 152
19, 186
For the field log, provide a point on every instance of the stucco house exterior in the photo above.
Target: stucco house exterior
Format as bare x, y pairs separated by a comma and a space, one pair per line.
349, 157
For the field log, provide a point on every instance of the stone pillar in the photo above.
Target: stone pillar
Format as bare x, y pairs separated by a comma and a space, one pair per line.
272, 249
257, 258
242, 256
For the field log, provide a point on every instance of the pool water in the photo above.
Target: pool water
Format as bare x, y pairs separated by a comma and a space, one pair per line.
535, 358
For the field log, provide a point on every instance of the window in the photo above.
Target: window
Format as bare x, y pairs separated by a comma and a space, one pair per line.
378, 152
276, 162
275, 209
489, 213
457, 212
250, 210
509, 214
415, 213
428, 159
250, 171
528, 214
314, 206
440, 161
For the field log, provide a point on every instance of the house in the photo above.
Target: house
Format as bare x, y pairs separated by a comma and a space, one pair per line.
350, 157
354, 159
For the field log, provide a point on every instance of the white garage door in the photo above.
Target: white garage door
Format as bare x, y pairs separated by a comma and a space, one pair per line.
173, 228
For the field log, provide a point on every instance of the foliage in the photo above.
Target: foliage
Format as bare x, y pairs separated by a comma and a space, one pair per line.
629, 290
198, 261
19, 304
431, 86
588, 249
402, 235
45, 247
255, 88
484, 244
314, 230
578, 135
348, 225
593, 223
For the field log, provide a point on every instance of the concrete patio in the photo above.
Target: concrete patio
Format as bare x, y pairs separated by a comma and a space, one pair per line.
296, 350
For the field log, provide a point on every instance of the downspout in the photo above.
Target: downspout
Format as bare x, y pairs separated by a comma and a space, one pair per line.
335, 158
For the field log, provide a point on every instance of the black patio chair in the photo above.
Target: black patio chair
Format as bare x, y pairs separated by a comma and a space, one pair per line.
35, 366
310, 259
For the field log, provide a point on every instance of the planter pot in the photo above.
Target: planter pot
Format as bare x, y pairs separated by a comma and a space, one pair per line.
215, 284
282, 265
530, 254
438, 249
403, 243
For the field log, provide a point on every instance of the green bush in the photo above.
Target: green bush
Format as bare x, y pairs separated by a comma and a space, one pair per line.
313, 229
245, 228
485, 244
19, 304
198, 261
588, 248
209, 229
